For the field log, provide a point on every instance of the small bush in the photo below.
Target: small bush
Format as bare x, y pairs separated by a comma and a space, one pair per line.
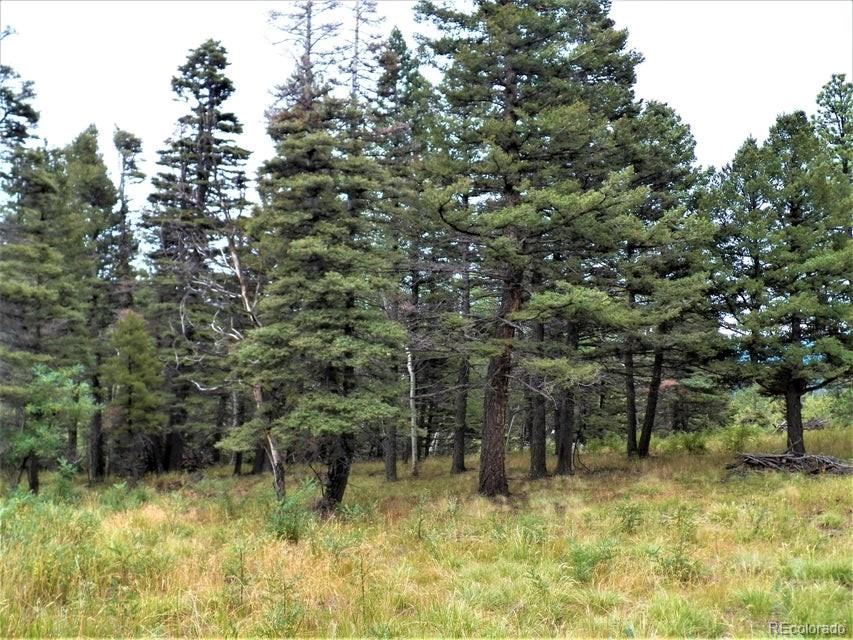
606, 443
693, 442
678, 617
739, 436
630, 515
585, 558
120, 497
62, 489
292, 517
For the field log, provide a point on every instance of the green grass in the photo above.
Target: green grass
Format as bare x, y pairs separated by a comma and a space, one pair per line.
669, 546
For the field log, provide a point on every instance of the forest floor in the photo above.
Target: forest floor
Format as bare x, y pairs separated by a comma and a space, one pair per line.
668, 546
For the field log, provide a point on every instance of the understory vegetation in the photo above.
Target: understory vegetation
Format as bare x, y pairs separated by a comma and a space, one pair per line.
666, 546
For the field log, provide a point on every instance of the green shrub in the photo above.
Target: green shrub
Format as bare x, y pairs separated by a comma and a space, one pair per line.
120, 497
739, 436
606, 443
585, 558
630, 515
292, 517
62, 489
693, 442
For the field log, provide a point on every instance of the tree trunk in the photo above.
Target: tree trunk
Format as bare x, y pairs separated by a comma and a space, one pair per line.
567, 416
71, 448
174, 451
33, 472
462, 380
630, 385
426, 440
538, 463
413, 410
630, 399
238, 463
389, 451
339, 460
493, 480
651, 404
567, 433
461, 418
97, 461
794, 418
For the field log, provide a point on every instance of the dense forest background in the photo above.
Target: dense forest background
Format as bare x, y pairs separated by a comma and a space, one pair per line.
519, 256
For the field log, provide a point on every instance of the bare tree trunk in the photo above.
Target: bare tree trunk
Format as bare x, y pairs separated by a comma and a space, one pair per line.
567, 416
33, 472
651, 404
338, 460
389, 451
461, 418
630, 384
794, 419
97, 462
462, 380
493, 480
413, 410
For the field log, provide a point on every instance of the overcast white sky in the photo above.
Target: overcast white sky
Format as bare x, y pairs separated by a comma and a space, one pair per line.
728, 67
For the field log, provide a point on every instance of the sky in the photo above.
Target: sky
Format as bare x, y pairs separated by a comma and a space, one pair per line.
727, 67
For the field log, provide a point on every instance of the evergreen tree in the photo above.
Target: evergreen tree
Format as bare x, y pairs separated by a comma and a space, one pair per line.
834, 120
133, 375
509, 79
202, 178
783, 264
325, 344
57, 403
89, 198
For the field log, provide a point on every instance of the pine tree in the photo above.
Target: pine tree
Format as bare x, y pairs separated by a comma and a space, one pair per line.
89, 198
325, 344
202, 179
834, 120
783, 261
41, 315
133, 375
57, 403
509, 79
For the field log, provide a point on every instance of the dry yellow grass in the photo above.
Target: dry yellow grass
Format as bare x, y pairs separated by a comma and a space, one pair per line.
663, 547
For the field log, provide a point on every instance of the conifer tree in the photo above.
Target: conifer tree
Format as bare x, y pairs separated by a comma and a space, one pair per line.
202, 168
325, 343
509, 78
133, 375
783, 265
57, 403
834, 120
89, 198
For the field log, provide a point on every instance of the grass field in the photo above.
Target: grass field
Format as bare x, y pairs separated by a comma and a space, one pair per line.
664, 547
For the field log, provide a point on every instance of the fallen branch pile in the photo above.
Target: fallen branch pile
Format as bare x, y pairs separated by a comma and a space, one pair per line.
790, 462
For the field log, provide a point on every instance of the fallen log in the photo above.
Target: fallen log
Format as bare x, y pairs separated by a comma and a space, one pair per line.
791, 462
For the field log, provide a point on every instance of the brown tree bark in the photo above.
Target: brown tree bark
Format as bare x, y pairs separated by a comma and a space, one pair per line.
493, 480
33, 472
630, 400
566, 423
794, 418
97, 459
389, 451
651, 404
462, 380
460, 419
339, 458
